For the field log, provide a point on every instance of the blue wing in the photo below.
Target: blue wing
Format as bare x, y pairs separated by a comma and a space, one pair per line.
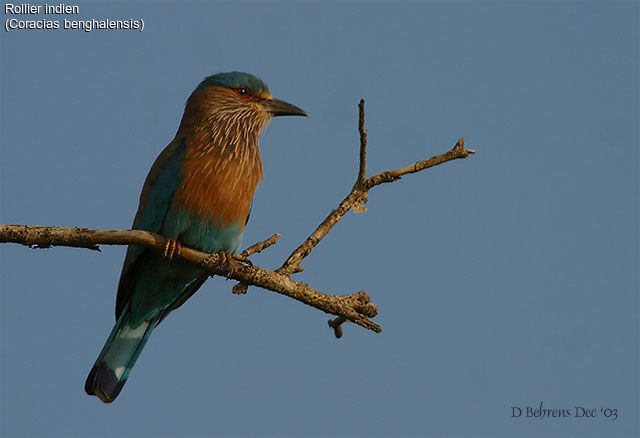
157, 194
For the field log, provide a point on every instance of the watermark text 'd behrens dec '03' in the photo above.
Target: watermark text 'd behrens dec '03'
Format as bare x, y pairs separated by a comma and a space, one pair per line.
540, 412
61, 16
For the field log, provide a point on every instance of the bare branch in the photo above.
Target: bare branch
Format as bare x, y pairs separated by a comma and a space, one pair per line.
362, 172
242, 288
458, 151
45, 237
322, 230
359, 193
356, 308
258, 247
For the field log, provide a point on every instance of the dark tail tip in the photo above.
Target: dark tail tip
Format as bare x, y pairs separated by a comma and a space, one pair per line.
103, 383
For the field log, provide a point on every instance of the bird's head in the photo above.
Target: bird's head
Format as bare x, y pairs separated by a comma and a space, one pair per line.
237, 95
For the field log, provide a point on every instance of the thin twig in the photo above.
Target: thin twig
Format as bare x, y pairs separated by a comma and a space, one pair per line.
362, 171
257, 247
458, 151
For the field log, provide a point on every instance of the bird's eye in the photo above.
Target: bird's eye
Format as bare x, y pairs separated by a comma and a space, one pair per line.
243, 91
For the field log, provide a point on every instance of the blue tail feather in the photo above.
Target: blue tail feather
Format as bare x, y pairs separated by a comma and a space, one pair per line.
119, 354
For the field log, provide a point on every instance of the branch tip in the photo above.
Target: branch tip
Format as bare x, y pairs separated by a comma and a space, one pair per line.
240, 288
258, 247
336, 325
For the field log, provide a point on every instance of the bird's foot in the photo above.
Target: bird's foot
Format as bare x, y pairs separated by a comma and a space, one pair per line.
231, 261
171, 249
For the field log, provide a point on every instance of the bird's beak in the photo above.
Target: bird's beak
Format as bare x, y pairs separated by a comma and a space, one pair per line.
278, 107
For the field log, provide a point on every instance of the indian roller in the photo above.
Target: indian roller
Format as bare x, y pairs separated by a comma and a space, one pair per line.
198, 193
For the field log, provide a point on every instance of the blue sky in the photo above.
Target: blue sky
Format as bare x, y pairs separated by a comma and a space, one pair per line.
504, 280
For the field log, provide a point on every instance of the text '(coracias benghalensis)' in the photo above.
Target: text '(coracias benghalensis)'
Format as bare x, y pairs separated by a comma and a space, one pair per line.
199, 193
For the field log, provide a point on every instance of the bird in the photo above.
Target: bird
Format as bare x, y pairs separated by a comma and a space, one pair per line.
198, 193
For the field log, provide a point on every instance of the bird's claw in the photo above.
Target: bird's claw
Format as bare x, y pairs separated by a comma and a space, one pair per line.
171, 249
233, 264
